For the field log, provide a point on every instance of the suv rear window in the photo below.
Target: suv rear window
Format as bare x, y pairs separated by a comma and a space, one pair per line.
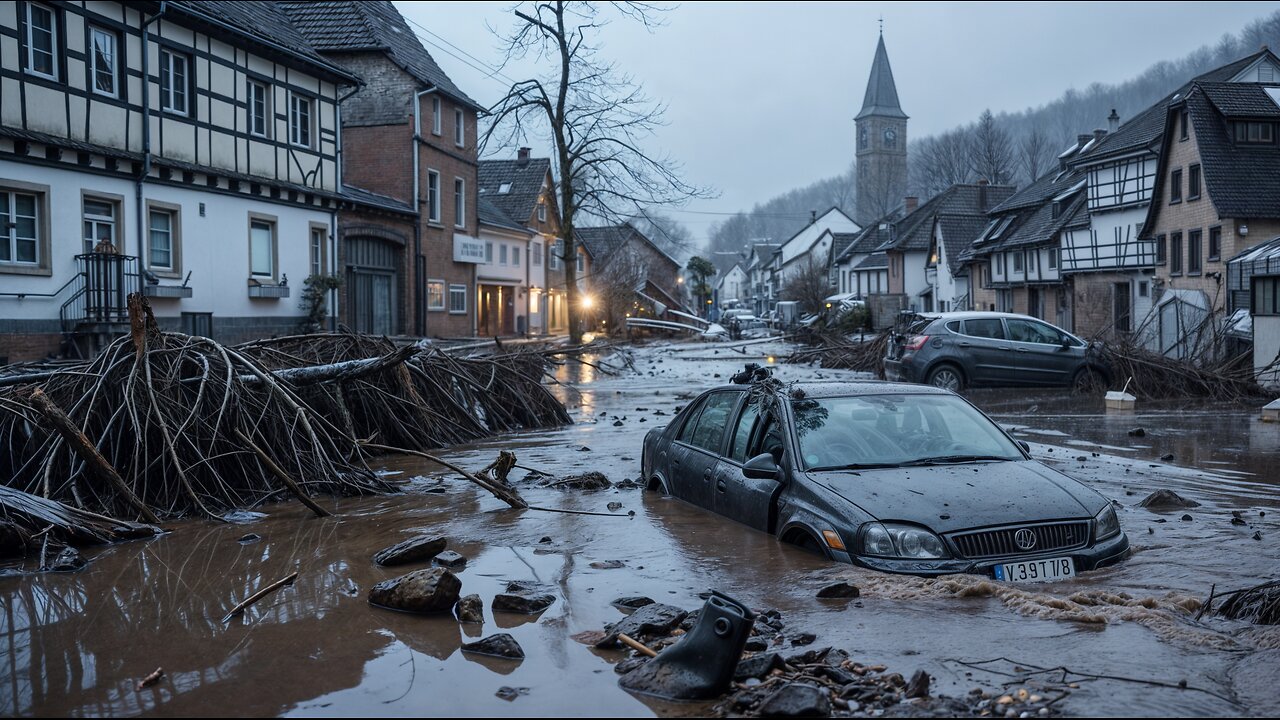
984, 328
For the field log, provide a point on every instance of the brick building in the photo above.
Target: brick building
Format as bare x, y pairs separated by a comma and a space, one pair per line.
408, 134
629, 268
1216, 194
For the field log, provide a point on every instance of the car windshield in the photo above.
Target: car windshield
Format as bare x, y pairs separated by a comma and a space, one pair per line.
871, 431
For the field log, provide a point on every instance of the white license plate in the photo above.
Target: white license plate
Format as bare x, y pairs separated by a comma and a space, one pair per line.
1036, 570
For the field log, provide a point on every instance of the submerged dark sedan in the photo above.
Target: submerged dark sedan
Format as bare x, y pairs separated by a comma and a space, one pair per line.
896, 477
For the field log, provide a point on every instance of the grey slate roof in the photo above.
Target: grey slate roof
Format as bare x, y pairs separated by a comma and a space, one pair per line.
874, 261
372, 25
870, 237
915, 231
1242, 100
262, 22
958, 233
494, 216
1145, 128
882, 94
368, 197
1242, 180
602, 242
526, 180
840, 242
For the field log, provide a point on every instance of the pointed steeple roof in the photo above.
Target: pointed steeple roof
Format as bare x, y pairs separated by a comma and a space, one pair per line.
882, 95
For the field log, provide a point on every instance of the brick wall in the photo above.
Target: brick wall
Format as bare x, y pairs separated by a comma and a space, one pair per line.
21, 347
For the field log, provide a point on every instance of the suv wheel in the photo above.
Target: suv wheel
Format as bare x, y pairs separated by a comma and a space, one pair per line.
1088, 382
947, 377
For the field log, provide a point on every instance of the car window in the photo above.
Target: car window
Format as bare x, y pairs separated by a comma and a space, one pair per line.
742, 432
954, 326
985, 328
1033, 332
691, 421
709, 430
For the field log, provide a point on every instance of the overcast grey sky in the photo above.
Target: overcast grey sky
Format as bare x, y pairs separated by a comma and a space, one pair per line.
761, 96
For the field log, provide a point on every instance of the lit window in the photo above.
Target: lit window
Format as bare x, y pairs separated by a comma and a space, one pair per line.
300, 120
262, 256
42, 41
19, 238
173, 82
259, 109
102, 61
160, 240
457, 299
435, 295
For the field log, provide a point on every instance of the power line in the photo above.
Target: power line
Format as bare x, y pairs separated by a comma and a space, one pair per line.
465, 57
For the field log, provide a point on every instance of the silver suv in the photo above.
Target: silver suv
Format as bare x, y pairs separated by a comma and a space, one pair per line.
967, 349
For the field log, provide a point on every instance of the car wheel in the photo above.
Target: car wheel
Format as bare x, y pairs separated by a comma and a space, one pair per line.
947, 377
1088, 381
805, 542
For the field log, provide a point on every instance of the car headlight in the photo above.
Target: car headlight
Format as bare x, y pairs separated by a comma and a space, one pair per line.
1105, 524
901, 541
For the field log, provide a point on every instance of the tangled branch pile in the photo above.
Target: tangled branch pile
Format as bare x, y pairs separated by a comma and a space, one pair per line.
165, 424
837, 351
1157, 376
1259, 604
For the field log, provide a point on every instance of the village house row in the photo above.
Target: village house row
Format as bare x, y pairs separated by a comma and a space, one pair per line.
1133, 231
216, 156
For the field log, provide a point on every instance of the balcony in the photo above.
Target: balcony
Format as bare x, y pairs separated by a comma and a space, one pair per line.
260, 290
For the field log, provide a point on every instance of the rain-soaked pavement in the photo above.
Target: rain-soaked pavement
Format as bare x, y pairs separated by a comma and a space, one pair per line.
77, 644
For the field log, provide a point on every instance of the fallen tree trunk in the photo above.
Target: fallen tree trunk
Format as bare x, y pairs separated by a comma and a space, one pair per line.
33, 514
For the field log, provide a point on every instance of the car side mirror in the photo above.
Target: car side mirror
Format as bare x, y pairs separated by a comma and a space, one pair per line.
1026, 447
761, 467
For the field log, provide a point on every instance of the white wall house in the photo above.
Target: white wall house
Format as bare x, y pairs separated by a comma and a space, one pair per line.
812, 241
733, 286
503, 280
212, 178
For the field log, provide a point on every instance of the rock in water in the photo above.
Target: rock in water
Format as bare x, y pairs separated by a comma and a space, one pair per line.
423, 591
839, 590
918, 686
797, 700
417, 549
501, 645
450, 559
1166, 500
655, 619
69, 560
522, 598
632, 602
758, 666
470, 609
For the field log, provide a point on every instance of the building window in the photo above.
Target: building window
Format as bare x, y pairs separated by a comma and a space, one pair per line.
198, 324
1175, 253
433, 196
1215, 243
1017, 261
319, 236
459, 202
502, 254
1162, 250
555, 255
488, 253
1255, 132
1031, 261
1184, 123
535, 254
1195, 254
1266, 296
259, 109
542, 212
459, 128
1193, 182
515, 256
300, 120
99, 224
173, 81
262, 249
435, 295
19, 228
1175, 187
1053, 258
1144, 288
42, 41
435, 116
581, 264
160, 249
102, 61
458, 299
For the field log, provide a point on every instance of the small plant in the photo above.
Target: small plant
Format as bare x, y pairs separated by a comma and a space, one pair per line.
314, 290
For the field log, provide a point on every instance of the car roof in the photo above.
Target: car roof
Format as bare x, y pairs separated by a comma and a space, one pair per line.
977, 314
847, 388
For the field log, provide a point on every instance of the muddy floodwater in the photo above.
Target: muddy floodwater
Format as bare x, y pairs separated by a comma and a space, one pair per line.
77, 644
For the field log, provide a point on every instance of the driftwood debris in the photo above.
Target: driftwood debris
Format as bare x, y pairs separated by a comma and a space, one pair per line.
1151, 375
498, 487
249, 601
24, 517
834, 350
156, 676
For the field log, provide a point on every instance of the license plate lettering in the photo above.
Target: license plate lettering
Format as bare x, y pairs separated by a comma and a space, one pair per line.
1047, 570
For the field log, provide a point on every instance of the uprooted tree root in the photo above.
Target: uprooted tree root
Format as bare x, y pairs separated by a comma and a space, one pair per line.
836, 351
193, 427
1154, 376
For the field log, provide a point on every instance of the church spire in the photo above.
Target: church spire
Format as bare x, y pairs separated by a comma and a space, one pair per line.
882, 94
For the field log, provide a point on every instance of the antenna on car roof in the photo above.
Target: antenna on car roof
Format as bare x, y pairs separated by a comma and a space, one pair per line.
751, 374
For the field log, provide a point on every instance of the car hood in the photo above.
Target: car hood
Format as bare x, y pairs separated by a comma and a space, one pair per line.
947, 498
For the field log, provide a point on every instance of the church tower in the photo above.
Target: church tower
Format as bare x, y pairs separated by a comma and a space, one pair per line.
882, 144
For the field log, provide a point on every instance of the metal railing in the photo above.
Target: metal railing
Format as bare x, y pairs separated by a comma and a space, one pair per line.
100, 291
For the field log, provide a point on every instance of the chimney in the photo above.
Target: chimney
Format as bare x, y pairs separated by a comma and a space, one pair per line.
1099, 134
1082, 139
813, 216
522, 156
1113, 120
910, 203
982, 194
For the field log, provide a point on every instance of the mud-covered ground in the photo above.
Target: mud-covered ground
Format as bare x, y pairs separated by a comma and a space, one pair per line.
78, 643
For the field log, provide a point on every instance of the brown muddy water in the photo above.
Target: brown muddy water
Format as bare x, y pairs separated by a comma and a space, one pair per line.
76, 644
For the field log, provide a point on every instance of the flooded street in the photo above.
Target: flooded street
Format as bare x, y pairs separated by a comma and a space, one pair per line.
77, 644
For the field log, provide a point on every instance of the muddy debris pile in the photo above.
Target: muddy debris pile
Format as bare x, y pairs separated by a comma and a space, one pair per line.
1152, 375
1259, 604
165, 425
833, 350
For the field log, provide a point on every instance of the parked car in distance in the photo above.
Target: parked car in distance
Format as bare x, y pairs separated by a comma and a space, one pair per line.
956, 350
899, 478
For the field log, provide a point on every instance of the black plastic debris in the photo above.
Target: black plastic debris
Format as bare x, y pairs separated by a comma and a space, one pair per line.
702, 664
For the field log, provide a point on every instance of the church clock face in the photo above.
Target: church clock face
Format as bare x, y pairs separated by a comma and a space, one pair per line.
890, 137
862, 138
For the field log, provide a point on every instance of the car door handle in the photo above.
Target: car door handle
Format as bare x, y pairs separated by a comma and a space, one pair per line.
965, 344
1020, 349
1003, 347
706, 475
720, 485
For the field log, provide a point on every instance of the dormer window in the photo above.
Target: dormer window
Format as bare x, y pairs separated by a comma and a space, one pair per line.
1255, 132
504, 188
